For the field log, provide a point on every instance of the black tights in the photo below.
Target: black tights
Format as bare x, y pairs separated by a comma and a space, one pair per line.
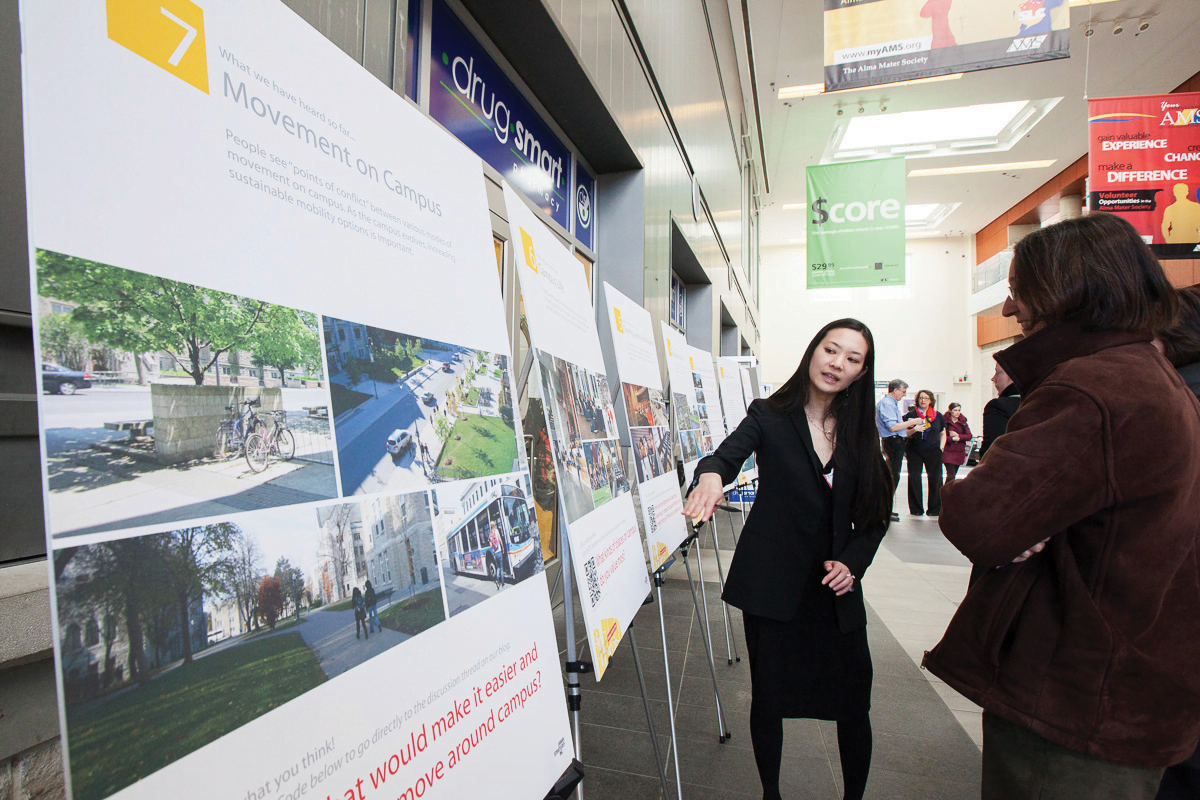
854, 742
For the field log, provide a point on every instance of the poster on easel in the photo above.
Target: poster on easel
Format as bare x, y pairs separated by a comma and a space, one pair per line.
684, 406
577, 398
708, 400
247, 501
645, 413
734, 402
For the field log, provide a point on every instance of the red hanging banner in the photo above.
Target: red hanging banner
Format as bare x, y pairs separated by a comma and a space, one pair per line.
1144, 164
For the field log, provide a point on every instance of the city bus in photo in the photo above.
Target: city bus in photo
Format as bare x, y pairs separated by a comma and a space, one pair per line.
504, 508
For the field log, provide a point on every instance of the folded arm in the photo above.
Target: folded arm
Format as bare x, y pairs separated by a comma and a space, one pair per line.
1046, 473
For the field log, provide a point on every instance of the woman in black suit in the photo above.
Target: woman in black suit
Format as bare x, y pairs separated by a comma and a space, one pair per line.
824, 503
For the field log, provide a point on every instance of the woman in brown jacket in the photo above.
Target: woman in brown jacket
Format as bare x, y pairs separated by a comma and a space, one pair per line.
1082, 639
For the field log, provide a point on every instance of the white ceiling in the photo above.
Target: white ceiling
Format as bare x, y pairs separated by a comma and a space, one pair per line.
788, 51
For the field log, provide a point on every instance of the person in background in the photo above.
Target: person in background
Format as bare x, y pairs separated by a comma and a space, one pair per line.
1082, 638
823, 506
360, 613
999, 410
1181, 345
925, 452
958, 435
1181, 342
893, 429
371, 601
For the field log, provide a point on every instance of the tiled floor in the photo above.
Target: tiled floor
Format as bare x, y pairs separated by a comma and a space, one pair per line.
926, 736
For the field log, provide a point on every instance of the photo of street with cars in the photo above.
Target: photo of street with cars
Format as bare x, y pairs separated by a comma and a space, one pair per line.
165, 401
487, 538
173, 639
581, 420
409, 411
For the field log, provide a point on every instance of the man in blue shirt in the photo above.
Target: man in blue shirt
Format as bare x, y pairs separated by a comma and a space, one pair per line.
893, 430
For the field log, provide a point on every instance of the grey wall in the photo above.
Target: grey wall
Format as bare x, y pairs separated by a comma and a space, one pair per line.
675, 35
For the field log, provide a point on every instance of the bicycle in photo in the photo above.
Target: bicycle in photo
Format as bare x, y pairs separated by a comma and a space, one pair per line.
235, 430
273, 440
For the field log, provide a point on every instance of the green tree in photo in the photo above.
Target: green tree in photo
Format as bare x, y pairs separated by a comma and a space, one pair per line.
291, 583
124, 575
441, 426
198, 561
64, 341
140, 313
289, 341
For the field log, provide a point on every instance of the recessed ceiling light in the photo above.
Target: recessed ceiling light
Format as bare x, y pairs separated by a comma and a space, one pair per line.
975, 143
807, 90
811, 89
914, 148
1014, 165
854, 153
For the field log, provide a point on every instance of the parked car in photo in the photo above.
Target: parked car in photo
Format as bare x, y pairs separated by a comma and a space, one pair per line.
428, 399
399, 441
56, 379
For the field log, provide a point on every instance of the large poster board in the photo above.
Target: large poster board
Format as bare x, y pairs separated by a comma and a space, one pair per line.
645, 412
708, 400
684, 405
731, 376
733, 402
869, 42
856, 224
219, 208
577, 397
1142, 153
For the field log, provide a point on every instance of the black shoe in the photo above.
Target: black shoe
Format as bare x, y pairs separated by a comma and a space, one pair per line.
895, 517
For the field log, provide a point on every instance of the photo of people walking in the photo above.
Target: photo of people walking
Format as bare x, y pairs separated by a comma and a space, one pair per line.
161, 631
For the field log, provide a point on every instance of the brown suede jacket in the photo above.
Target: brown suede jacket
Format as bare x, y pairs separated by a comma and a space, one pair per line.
1094, 643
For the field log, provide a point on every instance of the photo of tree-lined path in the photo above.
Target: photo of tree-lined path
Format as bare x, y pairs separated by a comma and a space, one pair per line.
172, 640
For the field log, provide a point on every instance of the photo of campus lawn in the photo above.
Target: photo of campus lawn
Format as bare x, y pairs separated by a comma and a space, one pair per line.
479, 445
187, 708
409, 410
174, 639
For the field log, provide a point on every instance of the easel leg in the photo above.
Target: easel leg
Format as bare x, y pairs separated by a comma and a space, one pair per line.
707, 639
637, 665
574, 697
721, 579
729, 514
658, 582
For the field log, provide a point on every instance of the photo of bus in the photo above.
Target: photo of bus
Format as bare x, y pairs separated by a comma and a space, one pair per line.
504, 508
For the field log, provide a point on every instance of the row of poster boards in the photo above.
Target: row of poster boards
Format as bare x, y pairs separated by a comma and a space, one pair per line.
220, 198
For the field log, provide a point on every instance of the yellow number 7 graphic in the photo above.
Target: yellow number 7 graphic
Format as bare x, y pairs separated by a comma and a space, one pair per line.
151, 29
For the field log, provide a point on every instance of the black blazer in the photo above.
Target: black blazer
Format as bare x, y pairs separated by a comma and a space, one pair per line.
782, 540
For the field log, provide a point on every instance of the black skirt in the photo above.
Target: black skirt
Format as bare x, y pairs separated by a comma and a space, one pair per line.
807, 667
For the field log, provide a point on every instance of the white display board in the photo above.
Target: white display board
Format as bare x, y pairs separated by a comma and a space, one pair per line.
225, 207
685, 380
592, 480
733, 402
708, 400
649, 428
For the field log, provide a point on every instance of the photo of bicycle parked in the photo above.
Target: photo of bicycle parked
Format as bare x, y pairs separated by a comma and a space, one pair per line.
165, 401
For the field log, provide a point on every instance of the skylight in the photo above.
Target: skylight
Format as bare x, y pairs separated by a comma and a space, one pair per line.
935, 125
936, 132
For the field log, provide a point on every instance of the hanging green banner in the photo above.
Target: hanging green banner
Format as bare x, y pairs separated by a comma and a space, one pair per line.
856, 224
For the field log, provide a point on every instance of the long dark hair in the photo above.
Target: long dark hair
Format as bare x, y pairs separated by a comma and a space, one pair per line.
853, 410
